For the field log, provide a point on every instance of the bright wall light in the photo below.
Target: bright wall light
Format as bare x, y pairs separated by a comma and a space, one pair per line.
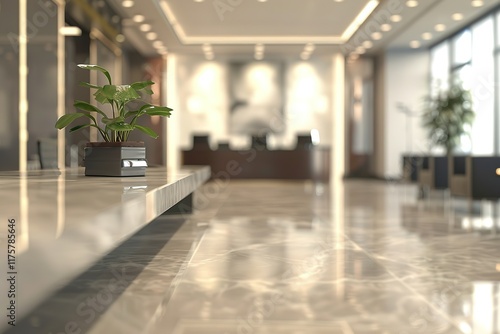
70, 31
127, 3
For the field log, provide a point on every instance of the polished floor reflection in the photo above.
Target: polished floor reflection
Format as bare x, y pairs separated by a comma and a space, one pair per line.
270, 257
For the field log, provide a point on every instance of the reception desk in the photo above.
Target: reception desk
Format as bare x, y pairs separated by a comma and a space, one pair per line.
63, 222
298, 164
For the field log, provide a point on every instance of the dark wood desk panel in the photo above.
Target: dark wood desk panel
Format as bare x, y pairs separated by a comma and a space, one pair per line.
301, 164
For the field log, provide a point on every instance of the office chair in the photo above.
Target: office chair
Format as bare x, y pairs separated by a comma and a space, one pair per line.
47, 153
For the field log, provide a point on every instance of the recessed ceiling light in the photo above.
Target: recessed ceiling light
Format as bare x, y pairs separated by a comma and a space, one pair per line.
412, 3
138, 18
385, 27
145, 27
259, 47
120, 38
198, 0
376, 35
151, 36
396, 18
477, 3
426, 36
309, 47
415, 44
206, 47
367, 44
360, 50
440, 27
157, 44
354, 56
261, 0
457, 16
338, 0
127, 3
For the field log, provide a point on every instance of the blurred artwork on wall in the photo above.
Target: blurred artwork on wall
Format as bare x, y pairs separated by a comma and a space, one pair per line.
256, 98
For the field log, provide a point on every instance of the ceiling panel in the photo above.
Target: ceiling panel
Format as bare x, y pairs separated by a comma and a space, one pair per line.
285, 26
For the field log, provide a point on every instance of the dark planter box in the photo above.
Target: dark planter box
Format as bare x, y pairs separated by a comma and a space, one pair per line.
115, 159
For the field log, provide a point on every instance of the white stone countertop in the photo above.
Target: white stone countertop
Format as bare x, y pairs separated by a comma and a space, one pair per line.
65, 222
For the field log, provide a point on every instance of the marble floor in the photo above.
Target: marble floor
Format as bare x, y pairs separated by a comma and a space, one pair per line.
276, 257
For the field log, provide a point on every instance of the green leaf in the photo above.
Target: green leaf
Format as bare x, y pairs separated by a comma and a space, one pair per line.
142, 84
88, 85
96, 68
125, 93
87, 107
159, 111
65, 120
79, 127
120, 126
147, 131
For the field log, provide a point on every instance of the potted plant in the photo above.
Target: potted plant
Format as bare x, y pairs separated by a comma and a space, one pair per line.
448, 117
115, 156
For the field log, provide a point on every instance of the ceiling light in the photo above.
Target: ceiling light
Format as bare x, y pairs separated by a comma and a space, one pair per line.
261, 0
338, 0
412, 3
360, 19
157, 44
259, 56
304, 56
477, 3
309, 47
138, 18
354, 56
367, 44
120, 38
259, 47
376, 35
385, 27
145, 27
457, 16
151, 36
440, 27
206, 47
426, 36
127, 3
360, 50
198, 0
415, 44
209, 56
396, 18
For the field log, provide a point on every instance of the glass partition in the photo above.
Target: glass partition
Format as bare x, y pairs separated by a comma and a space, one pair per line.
9, 85
42, 73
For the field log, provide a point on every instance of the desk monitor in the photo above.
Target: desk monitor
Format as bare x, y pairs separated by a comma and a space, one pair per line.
259, 141
304, 141
201, 142
223, 145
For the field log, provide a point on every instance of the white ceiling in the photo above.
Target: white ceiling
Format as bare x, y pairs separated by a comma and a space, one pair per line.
233, 27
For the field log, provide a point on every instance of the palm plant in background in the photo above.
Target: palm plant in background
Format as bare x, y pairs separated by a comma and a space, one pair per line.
448, 117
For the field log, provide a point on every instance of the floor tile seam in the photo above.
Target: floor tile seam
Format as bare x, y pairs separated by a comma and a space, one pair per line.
408, 287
